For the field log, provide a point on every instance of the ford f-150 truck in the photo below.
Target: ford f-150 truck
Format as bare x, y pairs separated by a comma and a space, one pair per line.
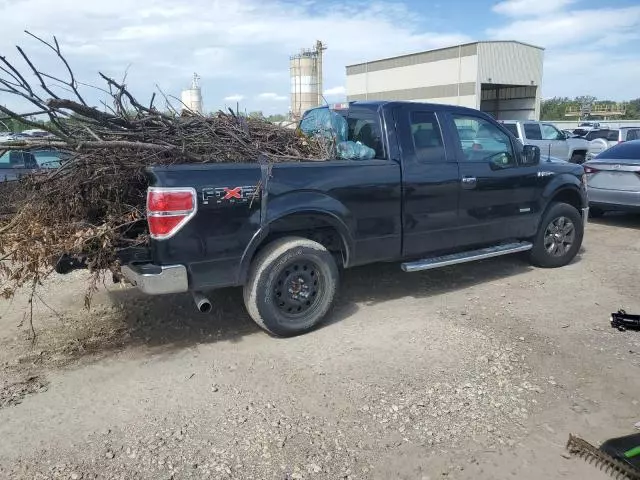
431, 197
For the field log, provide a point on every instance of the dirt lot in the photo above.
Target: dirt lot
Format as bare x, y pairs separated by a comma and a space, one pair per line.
478, 371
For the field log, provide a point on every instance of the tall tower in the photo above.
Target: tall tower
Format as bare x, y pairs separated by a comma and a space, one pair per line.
192, 97
306, 79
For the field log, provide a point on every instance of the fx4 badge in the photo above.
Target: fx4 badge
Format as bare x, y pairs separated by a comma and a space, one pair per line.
242, 194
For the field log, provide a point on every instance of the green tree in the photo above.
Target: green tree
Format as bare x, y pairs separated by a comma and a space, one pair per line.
278, 117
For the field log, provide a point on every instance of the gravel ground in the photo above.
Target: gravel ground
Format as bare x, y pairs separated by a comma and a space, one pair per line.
478, 371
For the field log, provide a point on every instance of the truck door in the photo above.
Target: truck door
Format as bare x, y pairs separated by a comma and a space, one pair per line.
430, 182
559, 147
497, 194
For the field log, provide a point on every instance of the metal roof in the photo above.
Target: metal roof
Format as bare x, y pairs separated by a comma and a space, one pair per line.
445, 48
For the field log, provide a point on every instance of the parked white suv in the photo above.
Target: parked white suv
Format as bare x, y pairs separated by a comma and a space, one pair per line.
605, 138
552, 142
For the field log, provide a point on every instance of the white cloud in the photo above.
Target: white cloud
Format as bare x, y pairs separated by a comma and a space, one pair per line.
599, 82
580, 54
530, 8
335, 92
234, 98
244, 44
272, 96
574, 27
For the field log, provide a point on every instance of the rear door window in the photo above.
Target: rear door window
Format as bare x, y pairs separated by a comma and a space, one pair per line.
364, 127
603, 134
613, 135
532, 131
633, 134
427, 137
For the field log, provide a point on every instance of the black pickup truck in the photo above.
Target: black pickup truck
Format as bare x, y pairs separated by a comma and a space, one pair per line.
447, 185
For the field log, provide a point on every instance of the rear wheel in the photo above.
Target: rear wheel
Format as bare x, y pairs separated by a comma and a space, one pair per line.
559, 236
291, 286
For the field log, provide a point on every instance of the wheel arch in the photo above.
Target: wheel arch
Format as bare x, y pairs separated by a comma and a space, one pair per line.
316, 224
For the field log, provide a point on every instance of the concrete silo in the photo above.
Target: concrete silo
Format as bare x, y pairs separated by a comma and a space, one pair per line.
306, 79
192, 97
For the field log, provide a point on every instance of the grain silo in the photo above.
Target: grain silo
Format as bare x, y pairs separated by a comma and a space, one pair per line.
192, 97
306, 79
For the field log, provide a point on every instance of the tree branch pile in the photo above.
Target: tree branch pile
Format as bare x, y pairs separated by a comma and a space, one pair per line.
93, 205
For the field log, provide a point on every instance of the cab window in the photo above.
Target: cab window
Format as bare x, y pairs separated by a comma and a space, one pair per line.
482, 141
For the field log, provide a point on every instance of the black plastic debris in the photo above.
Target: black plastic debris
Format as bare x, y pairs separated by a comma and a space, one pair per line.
623, 320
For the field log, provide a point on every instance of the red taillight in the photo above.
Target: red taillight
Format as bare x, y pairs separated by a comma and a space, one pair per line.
590, 170
169, 201
169, 209
477, 146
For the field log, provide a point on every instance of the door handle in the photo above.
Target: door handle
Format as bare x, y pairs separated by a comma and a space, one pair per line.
469, 182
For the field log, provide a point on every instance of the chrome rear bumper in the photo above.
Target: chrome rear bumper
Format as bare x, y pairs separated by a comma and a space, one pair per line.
157, 280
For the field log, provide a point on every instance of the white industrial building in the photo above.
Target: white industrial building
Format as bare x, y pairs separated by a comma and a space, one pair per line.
502, 78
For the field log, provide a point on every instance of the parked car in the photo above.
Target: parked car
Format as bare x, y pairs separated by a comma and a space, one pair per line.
426, 200
15, 163
600, 140
613, 179
7, 137
48, 158
552, 142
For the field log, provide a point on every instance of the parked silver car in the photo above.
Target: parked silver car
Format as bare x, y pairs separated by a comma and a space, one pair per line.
613, 179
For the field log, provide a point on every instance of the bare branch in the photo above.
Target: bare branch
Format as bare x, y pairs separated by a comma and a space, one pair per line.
37, 74
72, 83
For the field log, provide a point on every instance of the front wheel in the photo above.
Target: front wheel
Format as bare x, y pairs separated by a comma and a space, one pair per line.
291, 286
559, 236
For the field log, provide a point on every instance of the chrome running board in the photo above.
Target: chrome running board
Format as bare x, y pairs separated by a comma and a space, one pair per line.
464, 257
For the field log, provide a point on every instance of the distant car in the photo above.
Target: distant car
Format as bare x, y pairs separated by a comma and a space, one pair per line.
613, 179
7, 137
550, 140
48, 158
600, 140
15, 163
629, 133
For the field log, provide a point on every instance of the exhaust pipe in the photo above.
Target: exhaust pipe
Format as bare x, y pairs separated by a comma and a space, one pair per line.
202, 303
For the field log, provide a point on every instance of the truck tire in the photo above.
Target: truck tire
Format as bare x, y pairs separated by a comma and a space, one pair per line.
291, 286
577, 158
559, 236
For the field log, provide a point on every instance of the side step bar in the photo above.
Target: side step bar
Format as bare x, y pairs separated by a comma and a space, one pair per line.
463, 257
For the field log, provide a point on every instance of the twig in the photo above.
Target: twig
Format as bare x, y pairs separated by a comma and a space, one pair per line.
60, 317
33, 292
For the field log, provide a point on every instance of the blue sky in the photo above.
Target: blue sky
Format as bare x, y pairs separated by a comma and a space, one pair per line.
240, 48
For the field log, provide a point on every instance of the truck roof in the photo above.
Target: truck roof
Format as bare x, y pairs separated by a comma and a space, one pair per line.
374, 104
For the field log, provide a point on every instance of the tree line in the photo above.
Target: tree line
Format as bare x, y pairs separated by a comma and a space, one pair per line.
555, 108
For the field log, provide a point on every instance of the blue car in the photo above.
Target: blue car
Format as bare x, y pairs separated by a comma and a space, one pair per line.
14, 163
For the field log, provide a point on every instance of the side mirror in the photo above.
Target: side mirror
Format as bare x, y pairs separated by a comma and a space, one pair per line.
530, 155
